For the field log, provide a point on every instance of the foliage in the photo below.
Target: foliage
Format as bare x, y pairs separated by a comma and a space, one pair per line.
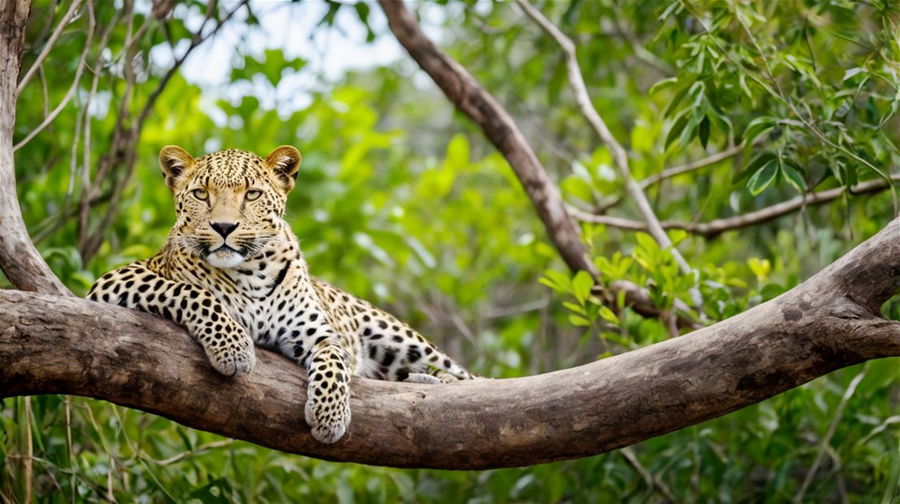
403, 202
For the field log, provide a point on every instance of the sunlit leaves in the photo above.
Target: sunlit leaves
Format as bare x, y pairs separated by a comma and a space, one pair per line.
272, 64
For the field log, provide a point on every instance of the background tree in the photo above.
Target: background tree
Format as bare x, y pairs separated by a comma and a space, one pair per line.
725, 112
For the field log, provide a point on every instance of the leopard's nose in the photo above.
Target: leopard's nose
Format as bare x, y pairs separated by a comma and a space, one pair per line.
224, 228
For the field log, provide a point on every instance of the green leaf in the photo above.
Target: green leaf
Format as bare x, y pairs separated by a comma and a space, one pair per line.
675, 101
793, 175
663, 84
763, 177
704, 131
579, 321
754, 165
757, 127
677, 128
607, 315
581, 286
574, 307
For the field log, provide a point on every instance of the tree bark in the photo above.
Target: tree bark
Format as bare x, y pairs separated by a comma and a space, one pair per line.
20, 261
51, 344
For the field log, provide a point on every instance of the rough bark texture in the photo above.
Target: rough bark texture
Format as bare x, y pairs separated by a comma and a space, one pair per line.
20, 261
52, 344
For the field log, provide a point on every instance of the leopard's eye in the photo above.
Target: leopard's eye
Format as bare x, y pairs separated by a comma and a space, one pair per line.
200, 194
253, 194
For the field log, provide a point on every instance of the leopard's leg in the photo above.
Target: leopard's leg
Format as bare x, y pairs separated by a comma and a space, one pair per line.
226, 343
328, 392
394, 351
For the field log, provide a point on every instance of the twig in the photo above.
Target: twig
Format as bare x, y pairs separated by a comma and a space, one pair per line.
48, 46
125, 140
851, 389
779, 95
620, 157
28, 460
719, 226
506, 311
482, 108
651, 479
197, 451
689, 167
71, 92
19, 259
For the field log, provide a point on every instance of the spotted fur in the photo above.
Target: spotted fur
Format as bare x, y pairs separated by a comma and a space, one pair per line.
232, 273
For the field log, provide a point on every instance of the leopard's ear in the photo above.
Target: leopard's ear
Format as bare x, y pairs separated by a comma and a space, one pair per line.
285, 164
175, 164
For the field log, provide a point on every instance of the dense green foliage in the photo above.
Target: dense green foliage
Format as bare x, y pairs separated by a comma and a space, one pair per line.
402, 201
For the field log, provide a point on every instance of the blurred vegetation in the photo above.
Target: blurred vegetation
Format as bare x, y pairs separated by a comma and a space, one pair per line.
400, 200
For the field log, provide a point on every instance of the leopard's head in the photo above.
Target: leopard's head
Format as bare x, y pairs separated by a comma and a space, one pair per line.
228, 204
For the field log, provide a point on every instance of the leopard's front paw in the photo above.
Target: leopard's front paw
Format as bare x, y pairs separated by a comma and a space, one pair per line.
233, 360
328, 416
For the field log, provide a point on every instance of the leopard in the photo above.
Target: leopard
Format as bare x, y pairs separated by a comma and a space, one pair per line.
232, 274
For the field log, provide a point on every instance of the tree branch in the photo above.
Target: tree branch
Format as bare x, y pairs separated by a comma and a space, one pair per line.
718, 226
498, 126
620, 157
20, 261
49, 45
51, 344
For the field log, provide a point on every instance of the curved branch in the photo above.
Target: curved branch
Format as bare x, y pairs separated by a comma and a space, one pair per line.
472, 99
718, 226
20, 261
620, 157
51, 344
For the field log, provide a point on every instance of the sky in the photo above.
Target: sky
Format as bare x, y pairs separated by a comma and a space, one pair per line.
289, 26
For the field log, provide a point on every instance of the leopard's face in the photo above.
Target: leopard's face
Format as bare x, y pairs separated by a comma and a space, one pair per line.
229, 204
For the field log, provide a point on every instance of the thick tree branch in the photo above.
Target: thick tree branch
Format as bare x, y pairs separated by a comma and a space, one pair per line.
498, 126
51, 344
718, 226
20, 261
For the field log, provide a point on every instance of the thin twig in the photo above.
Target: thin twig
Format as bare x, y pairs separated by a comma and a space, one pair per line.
851, 389
71, 92
196, 451
719, 226
651, 479
620, 157
470, 97
779, 95
28, 461
48, 46
689, 167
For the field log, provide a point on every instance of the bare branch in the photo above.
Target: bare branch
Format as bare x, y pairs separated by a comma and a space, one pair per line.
719, 226
125, 138
689, 167
832, 427
620, 157
69, 94
51, 344
473, 100
67, 18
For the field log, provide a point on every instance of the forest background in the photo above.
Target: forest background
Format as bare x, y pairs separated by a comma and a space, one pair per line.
726, 109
